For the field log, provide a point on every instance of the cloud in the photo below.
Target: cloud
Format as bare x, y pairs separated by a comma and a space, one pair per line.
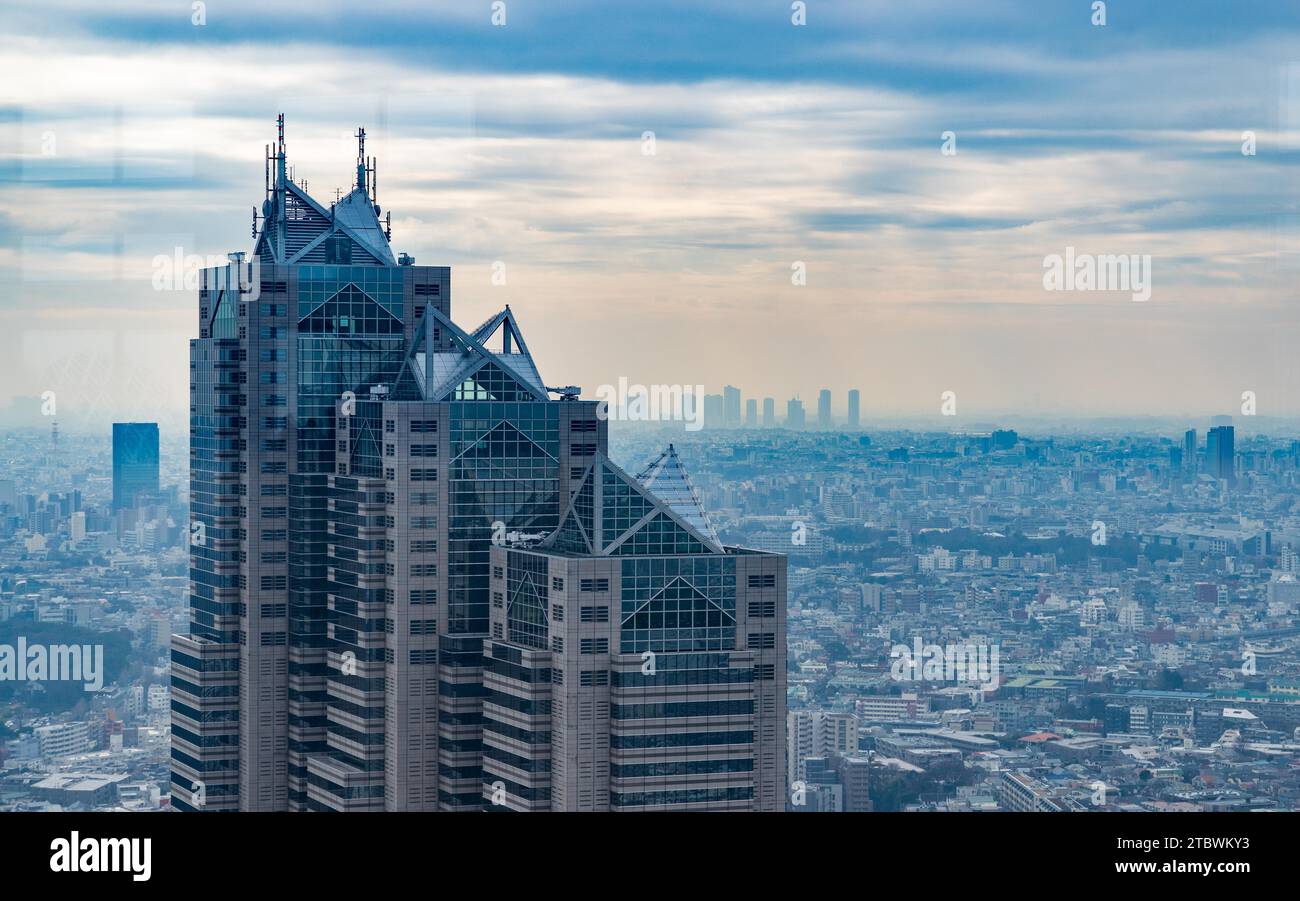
126, 133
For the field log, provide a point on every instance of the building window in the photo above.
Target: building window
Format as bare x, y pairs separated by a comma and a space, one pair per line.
593, 646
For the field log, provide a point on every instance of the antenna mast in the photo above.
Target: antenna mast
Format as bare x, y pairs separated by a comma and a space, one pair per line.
361, 159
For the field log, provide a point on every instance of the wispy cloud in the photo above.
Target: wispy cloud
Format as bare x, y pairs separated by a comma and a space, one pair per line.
127, 132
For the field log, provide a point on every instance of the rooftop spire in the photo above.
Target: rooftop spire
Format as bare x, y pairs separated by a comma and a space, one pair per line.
279, 153
361, 158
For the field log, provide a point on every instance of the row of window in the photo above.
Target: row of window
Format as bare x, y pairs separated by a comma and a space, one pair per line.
585, 645
417, 450
416, 658
418, 426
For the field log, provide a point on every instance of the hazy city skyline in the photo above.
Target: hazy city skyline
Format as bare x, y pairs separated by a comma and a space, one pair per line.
822, 145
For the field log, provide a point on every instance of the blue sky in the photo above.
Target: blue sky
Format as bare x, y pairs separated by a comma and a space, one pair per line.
127, 131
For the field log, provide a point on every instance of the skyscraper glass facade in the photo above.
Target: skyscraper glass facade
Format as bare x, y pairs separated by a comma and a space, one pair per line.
135, 462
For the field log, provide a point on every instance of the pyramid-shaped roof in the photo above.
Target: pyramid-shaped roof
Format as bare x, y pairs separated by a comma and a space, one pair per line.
355, 216
468, 371
666, 478
297, 229
612, 513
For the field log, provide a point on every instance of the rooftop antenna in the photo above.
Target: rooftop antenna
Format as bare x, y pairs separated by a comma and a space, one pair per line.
361, 157
279, 153
280, 189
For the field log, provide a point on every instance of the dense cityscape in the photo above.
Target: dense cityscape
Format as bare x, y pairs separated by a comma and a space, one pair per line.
768, 409
1122, 610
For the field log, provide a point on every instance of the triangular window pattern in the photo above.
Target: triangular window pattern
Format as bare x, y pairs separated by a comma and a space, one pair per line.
491, 382
622, 507
302, 224
224, 319
585, 507
350, 312
406, 388
659, 536
366, 455
569, 538
504, 453
526, 613
679, 605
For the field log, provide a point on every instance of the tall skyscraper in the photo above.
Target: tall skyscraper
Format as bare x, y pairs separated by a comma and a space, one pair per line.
713, 407
855, 410
731, 407
794, 415
769, 412
751, 413
135, 462
1189, 450
635, 662
1220, 453
465, 450
356, 455
824, 409
281, 668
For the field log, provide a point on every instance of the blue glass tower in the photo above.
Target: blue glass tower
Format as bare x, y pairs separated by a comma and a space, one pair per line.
135, 462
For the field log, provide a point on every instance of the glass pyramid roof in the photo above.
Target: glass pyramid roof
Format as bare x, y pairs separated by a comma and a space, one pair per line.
667, 480
623, 516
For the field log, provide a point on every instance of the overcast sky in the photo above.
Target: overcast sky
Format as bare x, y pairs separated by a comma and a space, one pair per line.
127, 131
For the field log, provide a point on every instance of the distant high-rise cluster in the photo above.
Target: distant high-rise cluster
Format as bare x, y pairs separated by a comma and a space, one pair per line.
724, 411
1219, 458
1220, 453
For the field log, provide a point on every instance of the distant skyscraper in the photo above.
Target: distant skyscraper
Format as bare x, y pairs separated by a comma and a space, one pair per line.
1189, 450
635, 662
824, 409
731, 407
794, 415
854, 409
135, 462
769, 414
751, 413
713, 407
1220, 453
